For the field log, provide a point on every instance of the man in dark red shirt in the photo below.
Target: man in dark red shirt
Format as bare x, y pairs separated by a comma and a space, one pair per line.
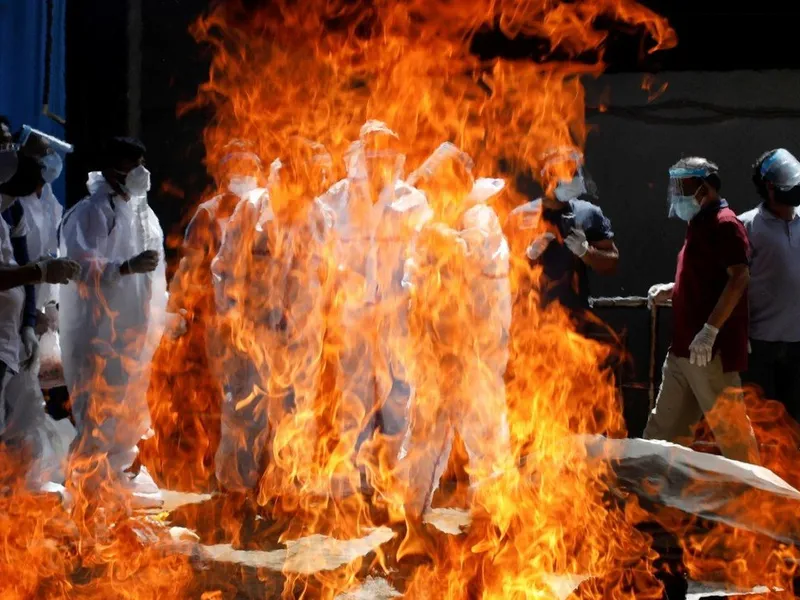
709, 338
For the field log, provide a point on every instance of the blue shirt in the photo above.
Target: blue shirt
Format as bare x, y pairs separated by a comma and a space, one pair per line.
774, 292
565, 276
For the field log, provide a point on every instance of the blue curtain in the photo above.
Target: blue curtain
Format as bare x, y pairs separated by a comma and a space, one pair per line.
23, 70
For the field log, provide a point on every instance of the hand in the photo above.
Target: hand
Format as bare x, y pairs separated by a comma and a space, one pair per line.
59, 270
539, 245
146, 262
702, 347
577, 243
659, 293
176, 324
30, 343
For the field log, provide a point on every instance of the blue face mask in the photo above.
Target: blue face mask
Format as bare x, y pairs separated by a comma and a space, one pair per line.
685, 207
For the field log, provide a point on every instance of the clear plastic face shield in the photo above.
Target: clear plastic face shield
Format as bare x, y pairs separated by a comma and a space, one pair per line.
445, 176
564, 175
684, 184
242, 172
782, 170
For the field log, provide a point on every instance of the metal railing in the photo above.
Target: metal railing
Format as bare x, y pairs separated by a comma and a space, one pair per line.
639, 302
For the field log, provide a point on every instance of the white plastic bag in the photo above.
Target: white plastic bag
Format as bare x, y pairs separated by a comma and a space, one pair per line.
51, 371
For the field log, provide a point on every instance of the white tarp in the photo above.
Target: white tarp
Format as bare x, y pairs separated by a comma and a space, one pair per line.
706, 485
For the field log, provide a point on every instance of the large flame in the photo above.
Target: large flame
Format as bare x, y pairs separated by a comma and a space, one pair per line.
296, 81
318, 71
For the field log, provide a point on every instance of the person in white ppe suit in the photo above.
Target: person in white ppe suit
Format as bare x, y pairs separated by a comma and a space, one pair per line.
460, 315
270, 264
377, 216
193, 314
22, 417
111, 320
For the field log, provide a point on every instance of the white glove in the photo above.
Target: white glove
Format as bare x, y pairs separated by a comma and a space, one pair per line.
176, 324
660, 292
702, 347
577, 243
30, 343
539, 245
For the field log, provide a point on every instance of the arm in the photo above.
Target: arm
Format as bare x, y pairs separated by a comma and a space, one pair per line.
738, 278
602, 257
20, 246
15, 218
14, 276
85, 238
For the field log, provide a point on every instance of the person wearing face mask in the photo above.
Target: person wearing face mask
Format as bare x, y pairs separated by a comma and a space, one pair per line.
710, 318
24, 426
457, 275
565, 234
112, 319
193, 318
277, 292
773, 229
376, 218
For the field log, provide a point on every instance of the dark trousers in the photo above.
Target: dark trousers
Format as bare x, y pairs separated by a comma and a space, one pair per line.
775, 368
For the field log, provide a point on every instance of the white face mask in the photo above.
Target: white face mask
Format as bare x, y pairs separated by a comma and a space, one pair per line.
241, 185
51, 167
137, 181
569, 190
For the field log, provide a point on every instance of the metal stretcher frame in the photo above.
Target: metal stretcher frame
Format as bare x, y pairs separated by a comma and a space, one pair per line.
639, 302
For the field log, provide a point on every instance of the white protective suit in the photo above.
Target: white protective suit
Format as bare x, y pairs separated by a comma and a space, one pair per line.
110, 327
244, 430
29, 425
460, 364
267, 273
11, 307
371, 243
43, 214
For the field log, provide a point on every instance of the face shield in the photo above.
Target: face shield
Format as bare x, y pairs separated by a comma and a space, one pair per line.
446, 178
782, 170
242, 172
564, 175
684, 182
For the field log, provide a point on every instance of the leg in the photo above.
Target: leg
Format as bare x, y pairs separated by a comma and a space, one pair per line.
719, 395
676, 410
761, 368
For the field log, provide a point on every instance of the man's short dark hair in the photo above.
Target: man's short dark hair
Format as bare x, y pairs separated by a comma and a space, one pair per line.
698, 162
123, 149
758, 177
4, 120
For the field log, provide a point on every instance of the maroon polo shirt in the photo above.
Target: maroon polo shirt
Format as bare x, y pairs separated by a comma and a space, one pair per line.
715, 240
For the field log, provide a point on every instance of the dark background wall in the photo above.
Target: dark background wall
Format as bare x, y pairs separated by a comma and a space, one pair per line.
628, 152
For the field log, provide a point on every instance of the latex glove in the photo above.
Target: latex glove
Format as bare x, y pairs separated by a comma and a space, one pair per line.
176, 324
660, 292
59, 270
144, 262
539, 245
702, 347
30, 343
577, 243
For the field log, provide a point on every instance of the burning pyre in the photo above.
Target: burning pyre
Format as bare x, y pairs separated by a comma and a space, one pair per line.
297, 81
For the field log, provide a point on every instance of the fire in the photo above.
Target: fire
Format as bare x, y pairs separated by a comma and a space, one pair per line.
319, 72
304, 339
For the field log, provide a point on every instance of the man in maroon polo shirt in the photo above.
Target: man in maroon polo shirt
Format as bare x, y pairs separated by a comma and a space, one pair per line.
709, 338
